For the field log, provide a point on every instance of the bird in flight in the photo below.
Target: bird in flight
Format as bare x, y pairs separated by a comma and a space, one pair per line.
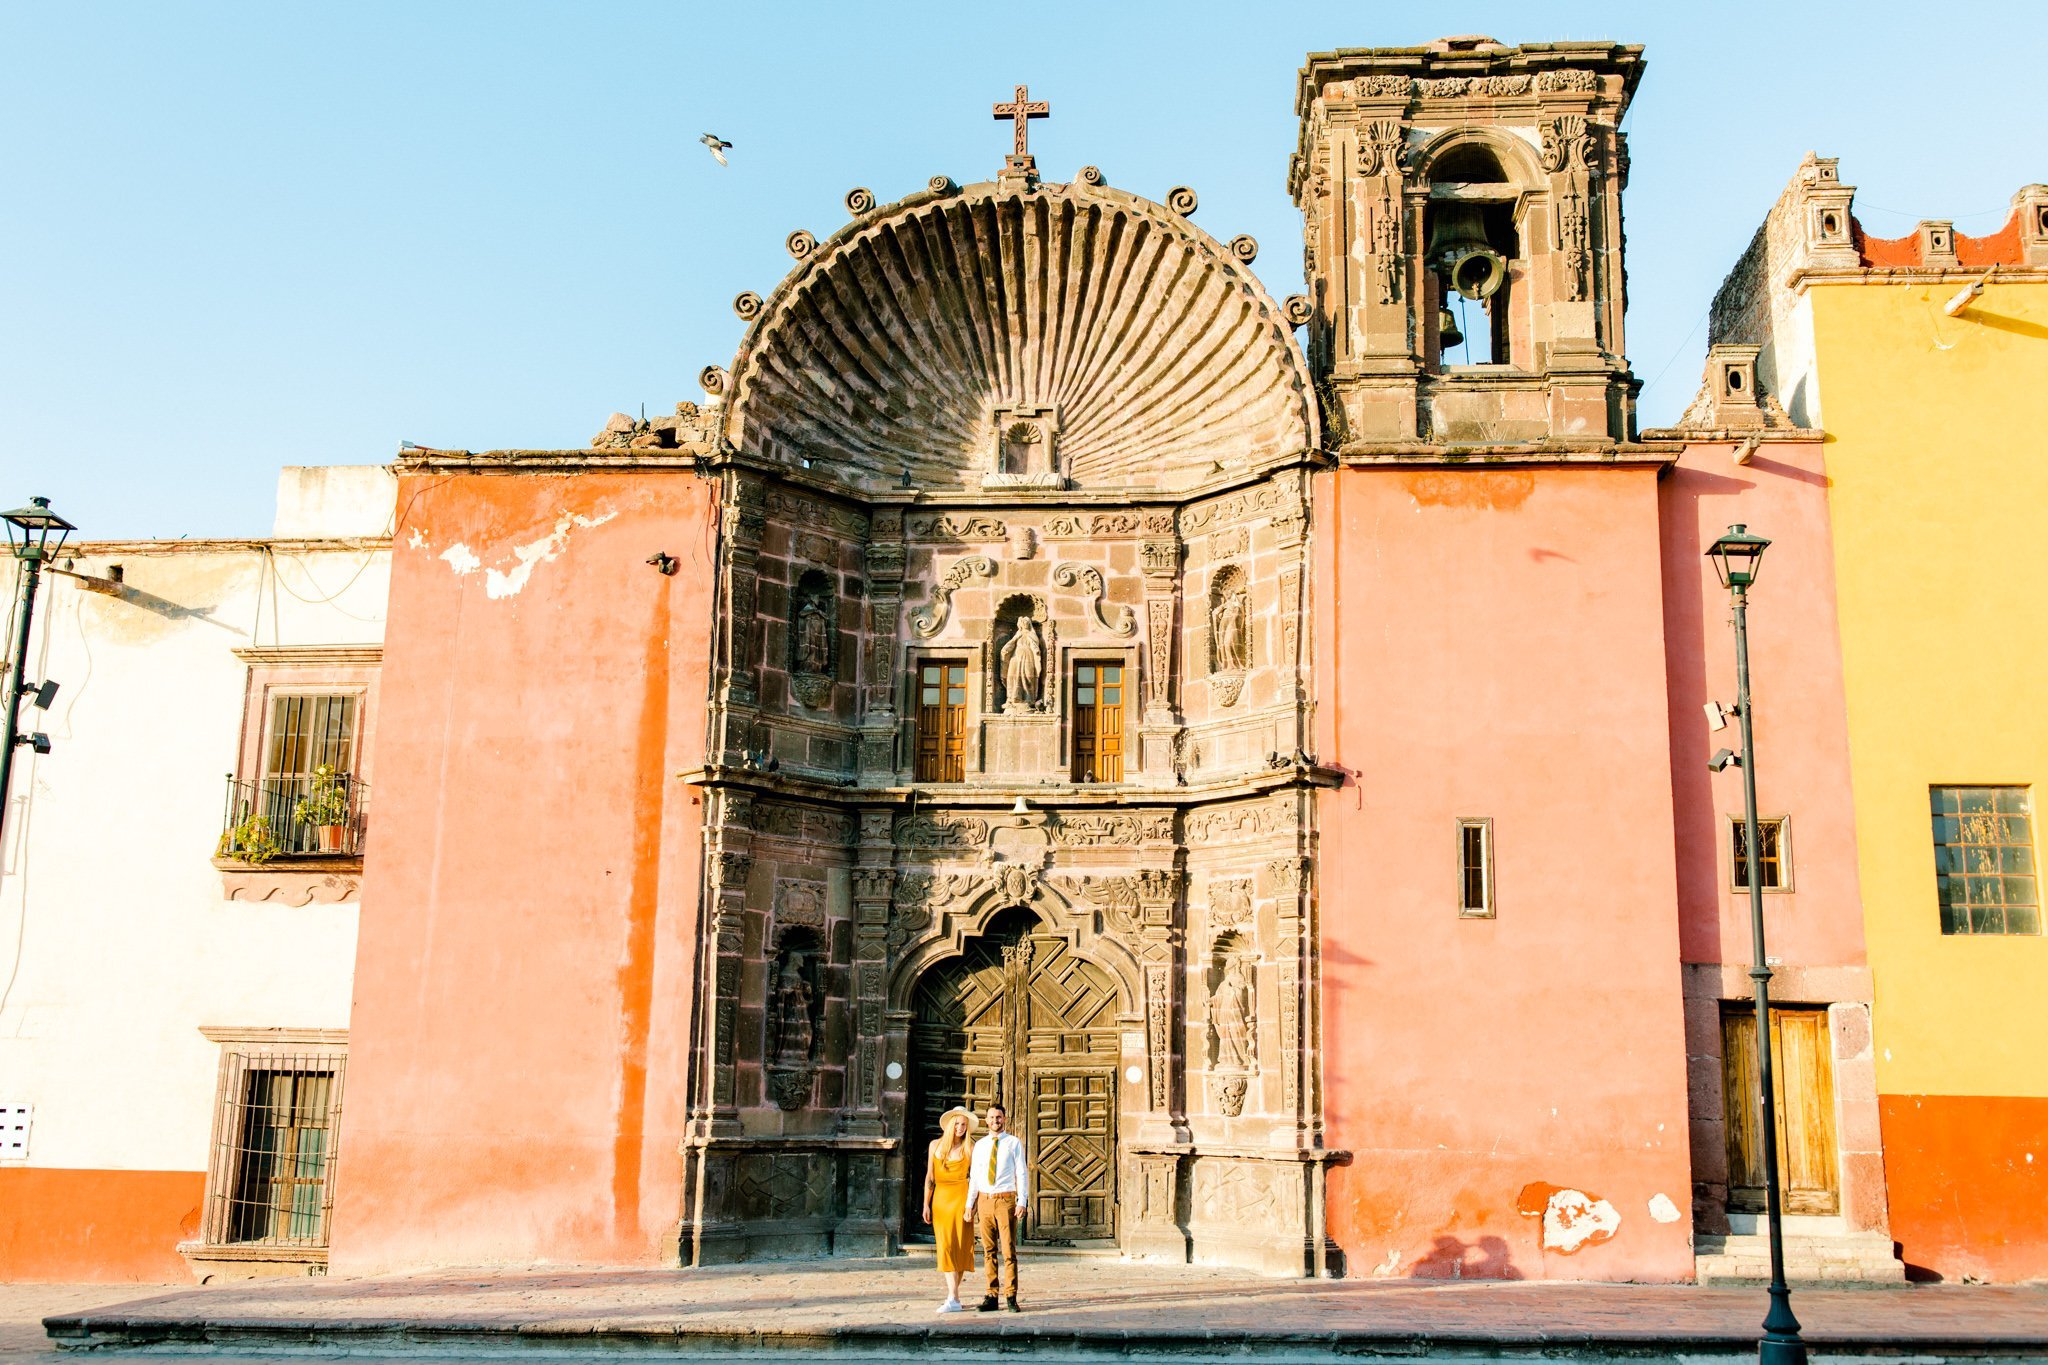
717, 145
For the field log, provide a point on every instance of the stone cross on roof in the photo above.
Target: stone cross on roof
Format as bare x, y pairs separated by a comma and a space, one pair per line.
1020, 110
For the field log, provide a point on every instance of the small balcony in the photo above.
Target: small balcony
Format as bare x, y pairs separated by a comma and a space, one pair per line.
286, 821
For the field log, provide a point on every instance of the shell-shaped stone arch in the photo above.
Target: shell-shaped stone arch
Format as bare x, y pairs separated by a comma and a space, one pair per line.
1058, 914
1148, 351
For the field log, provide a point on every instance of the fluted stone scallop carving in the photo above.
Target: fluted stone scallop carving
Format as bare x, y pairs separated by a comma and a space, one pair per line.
891, 350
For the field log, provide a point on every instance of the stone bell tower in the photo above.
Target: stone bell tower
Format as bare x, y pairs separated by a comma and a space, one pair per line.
1464, 242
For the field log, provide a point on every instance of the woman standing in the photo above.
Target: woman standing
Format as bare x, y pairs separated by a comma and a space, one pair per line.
945, 1201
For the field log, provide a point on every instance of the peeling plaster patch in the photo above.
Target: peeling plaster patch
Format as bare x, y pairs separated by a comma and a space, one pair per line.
549, 546
1572, 1219
1662, 1209
507, 582
1390, 1265
417, 540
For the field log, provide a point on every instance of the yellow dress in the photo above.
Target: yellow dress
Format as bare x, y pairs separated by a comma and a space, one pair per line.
949, 1212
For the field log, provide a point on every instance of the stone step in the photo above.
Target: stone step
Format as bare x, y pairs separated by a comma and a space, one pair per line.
1851, 1257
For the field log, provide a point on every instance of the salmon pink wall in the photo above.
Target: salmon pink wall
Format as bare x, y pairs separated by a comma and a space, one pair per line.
519, 1045
1489, 642
64, 1226
1802, 736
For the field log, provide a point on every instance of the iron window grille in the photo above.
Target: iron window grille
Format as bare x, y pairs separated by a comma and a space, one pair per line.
270, 1182
1774, 853
1475, 868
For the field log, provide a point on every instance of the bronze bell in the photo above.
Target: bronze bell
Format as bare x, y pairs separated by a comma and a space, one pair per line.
1447, 329
1459, 251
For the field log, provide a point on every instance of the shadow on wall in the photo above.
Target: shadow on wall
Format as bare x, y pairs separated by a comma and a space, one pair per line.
1452, 1258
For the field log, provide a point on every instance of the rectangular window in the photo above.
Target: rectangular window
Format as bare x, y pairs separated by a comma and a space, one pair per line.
1772, 854
942, 721
1099, 722
1984, 860
1475, 868
270, 1182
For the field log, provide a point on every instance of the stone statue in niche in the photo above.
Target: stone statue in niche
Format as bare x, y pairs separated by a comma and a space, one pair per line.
1227, 621
813, 637
1232, 1026
792, 1021
812, 640
1023, 661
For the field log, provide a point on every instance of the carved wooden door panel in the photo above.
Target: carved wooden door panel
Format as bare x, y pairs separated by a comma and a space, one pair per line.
1068, 1043
1027, 1022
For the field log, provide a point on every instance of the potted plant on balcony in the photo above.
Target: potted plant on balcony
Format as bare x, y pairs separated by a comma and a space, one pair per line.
250, 840
325, 807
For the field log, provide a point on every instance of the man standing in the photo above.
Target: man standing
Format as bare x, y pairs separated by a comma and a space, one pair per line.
998, 1197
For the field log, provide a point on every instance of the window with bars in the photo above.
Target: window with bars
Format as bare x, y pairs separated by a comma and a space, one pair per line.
942, 721
308, 732
1984, 874
1475, 868
270, 1183
1773, 854
1099, 722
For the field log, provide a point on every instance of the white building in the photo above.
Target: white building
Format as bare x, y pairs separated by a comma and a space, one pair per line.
174, 1004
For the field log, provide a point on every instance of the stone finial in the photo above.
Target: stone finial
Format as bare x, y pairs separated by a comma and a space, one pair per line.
747, 306
800, 244
1090, 175
1937, 242
1182, 201
1245, 247
860, 200
1296, 310
714, 379
2031, 206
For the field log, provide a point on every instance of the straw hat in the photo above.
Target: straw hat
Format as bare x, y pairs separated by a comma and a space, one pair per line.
946, 1119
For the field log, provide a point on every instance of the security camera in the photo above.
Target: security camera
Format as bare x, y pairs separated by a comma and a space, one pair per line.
1717, 715
39, 742
40, 695
1723, 758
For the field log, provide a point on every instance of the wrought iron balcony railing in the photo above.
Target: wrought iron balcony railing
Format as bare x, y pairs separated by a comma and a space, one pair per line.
283, 817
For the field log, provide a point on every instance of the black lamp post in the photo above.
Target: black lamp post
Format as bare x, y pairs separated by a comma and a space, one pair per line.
35, 534
1735, 557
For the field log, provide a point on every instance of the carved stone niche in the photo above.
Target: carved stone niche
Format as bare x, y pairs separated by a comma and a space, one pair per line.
795, 1012
813, 640
1233, 1021
1022, 720
1230, 633
1024, 448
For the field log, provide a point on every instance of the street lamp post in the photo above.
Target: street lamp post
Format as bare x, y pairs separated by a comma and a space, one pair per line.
1735, 557
30, 531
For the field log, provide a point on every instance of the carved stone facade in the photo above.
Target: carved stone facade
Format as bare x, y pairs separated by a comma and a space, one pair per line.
1092, 502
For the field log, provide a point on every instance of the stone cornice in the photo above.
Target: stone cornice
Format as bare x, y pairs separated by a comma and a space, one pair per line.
1420, 455
310, 654
100, 549
1948, 274
577, 461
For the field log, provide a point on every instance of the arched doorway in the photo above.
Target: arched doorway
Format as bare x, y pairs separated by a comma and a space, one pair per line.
1020, 1017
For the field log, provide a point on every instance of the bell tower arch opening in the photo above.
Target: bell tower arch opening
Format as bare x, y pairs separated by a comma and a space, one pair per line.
1020, 1017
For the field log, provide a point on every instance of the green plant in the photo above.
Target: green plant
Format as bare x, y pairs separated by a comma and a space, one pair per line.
326, 801
250, 840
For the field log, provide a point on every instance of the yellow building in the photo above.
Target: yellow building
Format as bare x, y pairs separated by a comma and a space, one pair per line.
1925, 358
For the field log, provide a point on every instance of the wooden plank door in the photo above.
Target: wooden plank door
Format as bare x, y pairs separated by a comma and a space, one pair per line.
1068, 1042
1808, 1164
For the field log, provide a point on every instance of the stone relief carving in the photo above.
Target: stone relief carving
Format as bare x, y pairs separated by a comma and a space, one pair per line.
1218, 823
920, 896
1230, 904
1572, 79
799, 902
1089, 580
1085, 829
957, 528
803, 511
1233, 1025
1245, 506
941, 831
1067, 527
930, 619
1115, 897
1230, 647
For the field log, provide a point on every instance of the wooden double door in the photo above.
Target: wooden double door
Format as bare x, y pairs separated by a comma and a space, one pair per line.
1808, 1164
1021, 1018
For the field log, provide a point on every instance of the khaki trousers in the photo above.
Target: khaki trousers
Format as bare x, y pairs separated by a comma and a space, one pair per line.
995, 1220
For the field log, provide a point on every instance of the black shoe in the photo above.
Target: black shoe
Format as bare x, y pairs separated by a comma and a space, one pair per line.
1011, 1304
988, 1305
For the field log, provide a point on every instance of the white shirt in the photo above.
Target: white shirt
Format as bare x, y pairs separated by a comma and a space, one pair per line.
1012, 1176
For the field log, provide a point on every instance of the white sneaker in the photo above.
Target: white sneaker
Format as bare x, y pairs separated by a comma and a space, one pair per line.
950, 1306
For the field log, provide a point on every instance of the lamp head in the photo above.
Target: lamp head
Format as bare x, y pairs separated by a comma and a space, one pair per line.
1735, 556
40, 695
1723, 759
34, 531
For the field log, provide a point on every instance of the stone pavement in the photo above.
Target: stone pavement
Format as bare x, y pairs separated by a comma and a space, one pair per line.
1076, 1305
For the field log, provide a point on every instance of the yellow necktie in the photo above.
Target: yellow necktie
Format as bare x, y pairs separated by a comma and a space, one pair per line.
993, 1143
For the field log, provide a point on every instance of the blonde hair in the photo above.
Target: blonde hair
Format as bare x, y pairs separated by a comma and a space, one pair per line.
950, 1144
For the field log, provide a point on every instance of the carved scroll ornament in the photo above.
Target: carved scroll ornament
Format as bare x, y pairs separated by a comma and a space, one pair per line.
930, 619
1089, 580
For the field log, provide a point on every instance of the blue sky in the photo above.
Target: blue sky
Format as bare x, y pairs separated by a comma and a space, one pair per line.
236, 236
